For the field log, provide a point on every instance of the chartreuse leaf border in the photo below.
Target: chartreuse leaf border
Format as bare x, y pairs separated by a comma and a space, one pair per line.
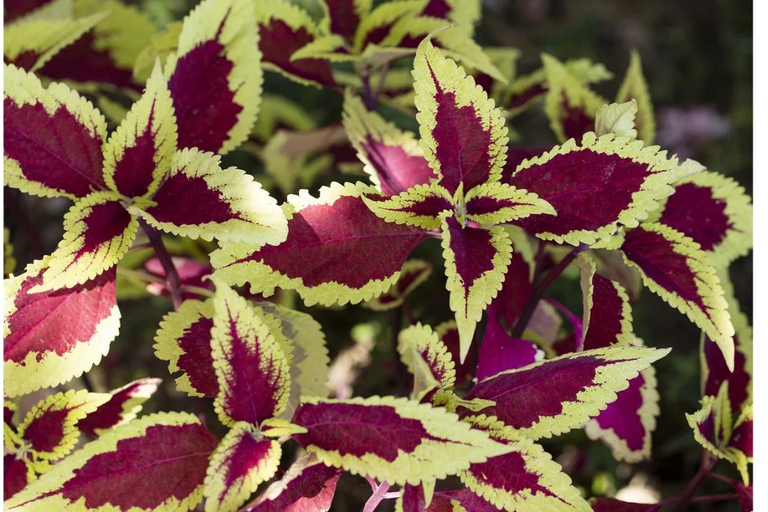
430, 459
717, 323
624, 363
47, 489
655, 187
26, 89
268, 279
224, 496
51, 369
452, 78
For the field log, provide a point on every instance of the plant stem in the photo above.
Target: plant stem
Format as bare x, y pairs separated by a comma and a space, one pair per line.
541, 288
377, 497
687, 495
171, 275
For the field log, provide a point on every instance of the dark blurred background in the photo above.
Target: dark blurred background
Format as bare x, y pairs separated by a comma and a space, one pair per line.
697, 58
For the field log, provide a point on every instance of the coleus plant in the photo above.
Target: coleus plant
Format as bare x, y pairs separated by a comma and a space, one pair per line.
487, 386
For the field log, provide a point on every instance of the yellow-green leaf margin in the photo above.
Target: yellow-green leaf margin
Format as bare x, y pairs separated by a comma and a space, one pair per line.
453, 79
44, 495
635, 87
458, 445
656, 187
223, 497
716, 322
469, 304
77, 404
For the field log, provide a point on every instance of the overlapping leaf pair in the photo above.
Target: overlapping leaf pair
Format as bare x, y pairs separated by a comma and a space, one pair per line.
255, 362
52, 428
528, 401
354, 30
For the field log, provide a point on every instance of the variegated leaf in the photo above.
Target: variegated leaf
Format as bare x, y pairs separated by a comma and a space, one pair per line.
284, 28
52, 138
98, 231
308, 353
715, 371
251, 367
570, 105
243, 460
557, 395
626, 425
307, 486
111, 473
427, 358
596, 187
30, 44
607, 312
50, 428
475, 263
138, 154
215, 76
105, 55
674, 267
343, 16
199, 199
499, 203
184, 340
391, 439
464, 13
123, 405
527, 89
337, 250
525, 479
392, 158
715, 212
420, 206
52, 337
463, 136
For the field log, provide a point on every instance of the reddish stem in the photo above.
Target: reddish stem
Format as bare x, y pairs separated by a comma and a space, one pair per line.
541, 288
171, 274
687, 495
377, 497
